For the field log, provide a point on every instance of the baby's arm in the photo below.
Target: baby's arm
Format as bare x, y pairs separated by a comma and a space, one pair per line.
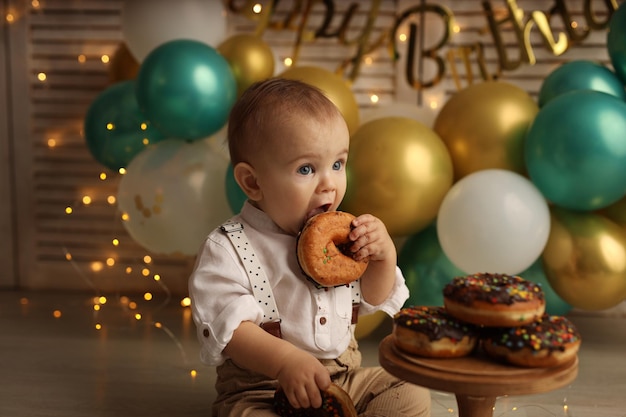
371, 240
300, 374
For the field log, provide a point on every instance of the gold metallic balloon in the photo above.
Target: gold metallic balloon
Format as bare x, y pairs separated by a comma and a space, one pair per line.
335, 88
616, 212
399, 170
484, 126
123, 65
368, 323
251, 59
585, 259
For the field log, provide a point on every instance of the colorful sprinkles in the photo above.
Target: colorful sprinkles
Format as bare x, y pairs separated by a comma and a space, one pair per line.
549, 332
493, 288
435, 322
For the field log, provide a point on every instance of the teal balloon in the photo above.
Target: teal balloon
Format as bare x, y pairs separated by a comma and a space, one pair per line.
234, 194
580, 75
616, 41
186, 88
554, 304
575, 150
426, 268
115, 129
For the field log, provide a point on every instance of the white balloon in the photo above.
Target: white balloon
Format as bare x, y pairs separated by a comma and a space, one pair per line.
174, 194
493, 221
147, 24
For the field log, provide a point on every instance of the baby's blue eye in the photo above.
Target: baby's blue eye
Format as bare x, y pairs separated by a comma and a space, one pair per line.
337, 165
305, 170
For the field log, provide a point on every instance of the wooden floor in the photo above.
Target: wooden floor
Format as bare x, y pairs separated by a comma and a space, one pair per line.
63, 366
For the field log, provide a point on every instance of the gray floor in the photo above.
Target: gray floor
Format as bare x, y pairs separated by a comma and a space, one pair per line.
65, 367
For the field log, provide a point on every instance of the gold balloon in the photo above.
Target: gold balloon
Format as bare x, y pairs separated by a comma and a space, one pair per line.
484, 126
335, 88
616, 212
368, 323
585, 259
250, 59
123, 65
399, 170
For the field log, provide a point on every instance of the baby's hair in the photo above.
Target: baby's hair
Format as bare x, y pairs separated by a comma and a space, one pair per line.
267, 103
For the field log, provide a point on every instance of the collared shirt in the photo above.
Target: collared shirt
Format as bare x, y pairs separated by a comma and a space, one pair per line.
315, 320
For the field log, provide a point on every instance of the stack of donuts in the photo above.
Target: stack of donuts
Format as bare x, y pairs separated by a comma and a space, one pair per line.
504, 315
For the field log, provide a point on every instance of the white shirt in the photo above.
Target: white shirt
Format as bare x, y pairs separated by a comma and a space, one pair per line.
315, 320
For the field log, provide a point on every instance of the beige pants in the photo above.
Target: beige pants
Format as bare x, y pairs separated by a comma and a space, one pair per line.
374, 391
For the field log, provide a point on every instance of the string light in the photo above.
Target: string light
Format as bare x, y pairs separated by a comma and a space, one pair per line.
9, 17
82, 58
57, 314
257, 8
42, 76
52, 142
288, 62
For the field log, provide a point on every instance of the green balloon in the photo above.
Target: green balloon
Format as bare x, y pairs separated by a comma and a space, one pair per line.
616, 41
115, 129
234, 194
575, 150
186, 88
580, 75
426, 268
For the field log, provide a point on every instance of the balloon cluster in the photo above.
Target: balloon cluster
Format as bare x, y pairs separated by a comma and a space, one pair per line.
495, 182
175, 78
540, 189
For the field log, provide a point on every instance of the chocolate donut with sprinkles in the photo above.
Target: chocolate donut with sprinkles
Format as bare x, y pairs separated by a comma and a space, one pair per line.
335, 403
431, 332
547, 342
498, 300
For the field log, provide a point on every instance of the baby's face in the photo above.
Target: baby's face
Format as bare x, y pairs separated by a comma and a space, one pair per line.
301, 170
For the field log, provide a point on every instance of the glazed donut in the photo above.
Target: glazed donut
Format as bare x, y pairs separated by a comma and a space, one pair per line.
547, 342
498, 300
431, 332
323, 250
335, 403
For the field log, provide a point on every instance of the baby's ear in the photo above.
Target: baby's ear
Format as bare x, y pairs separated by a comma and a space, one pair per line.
245, 175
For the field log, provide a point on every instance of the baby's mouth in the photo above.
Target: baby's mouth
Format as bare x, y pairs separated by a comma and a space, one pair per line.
318, 210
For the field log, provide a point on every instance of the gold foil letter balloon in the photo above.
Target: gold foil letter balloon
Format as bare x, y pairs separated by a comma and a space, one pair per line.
585, 259
399, 170
484, 126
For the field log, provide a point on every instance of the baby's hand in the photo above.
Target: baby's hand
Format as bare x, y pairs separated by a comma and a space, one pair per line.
302, 376
371, 239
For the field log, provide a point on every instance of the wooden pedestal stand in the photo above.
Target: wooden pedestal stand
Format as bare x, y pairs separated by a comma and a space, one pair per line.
475, 380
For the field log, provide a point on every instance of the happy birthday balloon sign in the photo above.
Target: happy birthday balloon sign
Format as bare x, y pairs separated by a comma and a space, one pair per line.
439, 53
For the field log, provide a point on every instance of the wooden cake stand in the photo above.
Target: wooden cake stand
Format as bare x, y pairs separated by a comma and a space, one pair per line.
475, 380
